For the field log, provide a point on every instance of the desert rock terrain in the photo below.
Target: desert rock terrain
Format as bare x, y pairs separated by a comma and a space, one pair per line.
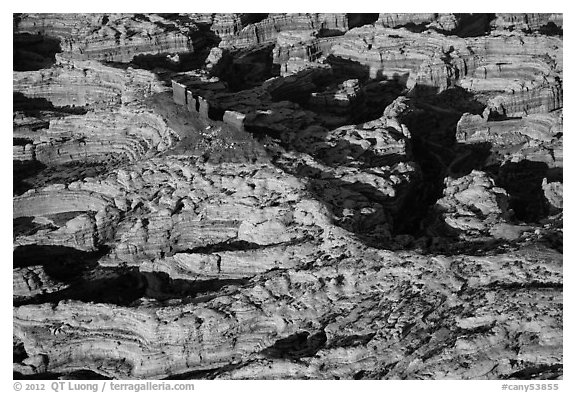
279, 196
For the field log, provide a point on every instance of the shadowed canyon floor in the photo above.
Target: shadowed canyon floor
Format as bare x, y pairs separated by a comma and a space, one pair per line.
280, 196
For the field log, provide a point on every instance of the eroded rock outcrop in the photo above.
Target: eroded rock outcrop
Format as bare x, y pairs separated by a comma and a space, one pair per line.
268, 29
94, 115
117, 37
87, 83
472, 205
527, 21
279, 320
536, 137
319, 196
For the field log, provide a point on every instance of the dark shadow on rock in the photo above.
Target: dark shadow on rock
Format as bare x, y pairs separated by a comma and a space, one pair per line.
161, 287
437, 153
90, 282
432, 123
21, 170
523, 182
73, 375
202, 40
373, 95
327, 189
253, 17
60, 260
120, 286
238, 245
357, 19
551, 29
363, 158
32, 106
474, 25
352, 340
433, 150
455, 98
80, 270
180, 62
433, 147
165, 65
377, 95
347, 69
18, 352
468, 157
21, 141
450, 245
204, 374
297, 345
34, 174
244, 69
539, 372
470, 25
32, 52
324, 32
414, 28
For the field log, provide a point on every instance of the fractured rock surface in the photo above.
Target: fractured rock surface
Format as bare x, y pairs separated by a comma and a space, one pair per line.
273, 196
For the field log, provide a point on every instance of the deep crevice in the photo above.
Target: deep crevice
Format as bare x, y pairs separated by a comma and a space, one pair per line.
243, 69
297, 345
89, 282
358, 20
33, 52
32, 106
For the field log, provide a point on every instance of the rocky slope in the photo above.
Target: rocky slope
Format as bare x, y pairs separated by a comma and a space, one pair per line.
271, 196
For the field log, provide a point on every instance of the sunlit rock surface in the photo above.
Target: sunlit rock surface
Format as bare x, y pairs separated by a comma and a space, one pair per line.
114, 37
280, 196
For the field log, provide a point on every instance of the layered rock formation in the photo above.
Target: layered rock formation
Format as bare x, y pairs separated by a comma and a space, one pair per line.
273, 325
268, 29
117, 37
536, 137
527, 21
473, 204
91, 114
86, 83
273, 196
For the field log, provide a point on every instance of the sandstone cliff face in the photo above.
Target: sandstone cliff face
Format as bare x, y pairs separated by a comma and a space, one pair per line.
114, 37
527, 21
271, 196
87, 83
267, 30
